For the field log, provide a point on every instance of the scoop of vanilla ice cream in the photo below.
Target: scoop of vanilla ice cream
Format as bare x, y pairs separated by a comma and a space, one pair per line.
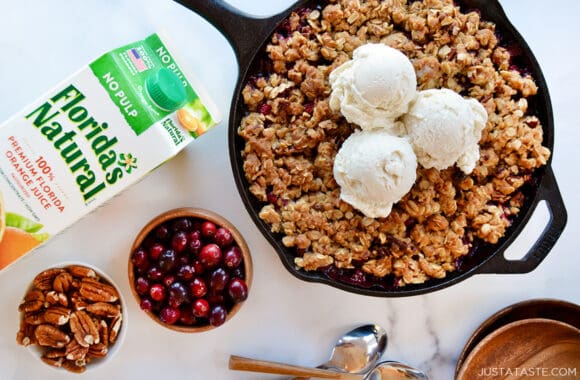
374, 170
445, 128
374, 88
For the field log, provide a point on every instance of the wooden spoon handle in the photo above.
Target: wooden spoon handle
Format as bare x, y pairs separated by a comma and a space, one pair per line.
253, 365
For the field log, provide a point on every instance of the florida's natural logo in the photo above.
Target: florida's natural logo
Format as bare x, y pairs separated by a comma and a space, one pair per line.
69, 102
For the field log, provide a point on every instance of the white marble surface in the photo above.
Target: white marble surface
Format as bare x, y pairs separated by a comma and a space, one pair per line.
42, 42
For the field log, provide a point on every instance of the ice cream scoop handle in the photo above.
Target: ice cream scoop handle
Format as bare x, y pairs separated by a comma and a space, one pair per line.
253, 365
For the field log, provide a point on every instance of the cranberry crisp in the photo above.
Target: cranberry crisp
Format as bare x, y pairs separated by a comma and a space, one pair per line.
292, 137
189, 272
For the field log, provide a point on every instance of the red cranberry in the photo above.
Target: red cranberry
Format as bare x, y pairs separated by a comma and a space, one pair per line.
181, 224
162, 232
200, 308
186, 316
140, 271
194, 235
167, 260
210, 255
149, 241
285, 28
272, 198
309, 108
155, 274
217, 316
238, 290
169, 315
183, 260
155, 250
139, 259
233, 257
157, 306
146, 304
179, 241
198, 266
185, 272
216, 298
208, 230
358, 278
198, 287
195, 246
157, 292
265, 109
238, 273
168, 280
173, 302
142, 285
178, 293
218, 280
223, 237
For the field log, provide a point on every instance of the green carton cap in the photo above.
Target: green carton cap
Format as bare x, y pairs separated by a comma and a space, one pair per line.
166, 89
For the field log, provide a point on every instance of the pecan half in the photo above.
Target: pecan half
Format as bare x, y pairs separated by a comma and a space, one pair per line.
81, 271
96, 291
51, 336
25, 335
44, 280
104, 309
62, 282
54, 353
78, 302
104, 332
35, 319
57, 315
98, 350
74, 366
84, 329
115, 328
33, 301
74, 351
52, 362
54, 298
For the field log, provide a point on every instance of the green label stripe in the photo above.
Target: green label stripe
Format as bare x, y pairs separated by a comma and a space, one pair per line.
123, 72
123, 92
166, 60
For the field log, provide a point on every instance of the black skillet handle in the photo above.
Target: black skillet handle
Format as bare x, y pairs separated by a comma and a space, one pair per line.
548, 191
244, 32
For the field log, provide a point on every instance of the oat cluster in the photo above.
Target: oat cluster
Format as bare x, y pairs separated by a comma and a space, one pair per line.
292, 137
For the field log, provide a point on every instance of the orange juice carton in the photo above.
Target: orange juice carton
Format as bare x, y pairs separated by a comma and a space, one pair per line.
93, 135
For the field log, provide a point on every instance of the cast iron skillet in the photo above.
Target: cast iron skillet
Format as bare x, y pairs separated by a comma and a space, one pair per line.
248, 35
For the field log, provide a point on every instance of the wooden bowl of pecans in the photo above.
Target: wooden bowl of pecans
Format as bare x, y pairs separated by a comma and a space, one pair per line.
72, 316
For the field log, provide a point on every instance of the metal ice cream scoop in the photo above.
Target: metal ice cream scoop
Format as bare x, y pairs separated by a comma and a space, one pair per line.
358, 350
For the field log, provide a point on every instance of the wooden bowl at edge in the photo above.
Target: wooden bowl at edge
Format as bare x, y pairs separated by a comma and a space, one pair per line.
527, 344
547, 308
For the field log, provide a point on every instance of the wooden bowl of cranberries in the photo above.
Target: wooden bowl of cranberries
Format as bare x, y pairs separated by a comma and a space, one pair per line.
190, 270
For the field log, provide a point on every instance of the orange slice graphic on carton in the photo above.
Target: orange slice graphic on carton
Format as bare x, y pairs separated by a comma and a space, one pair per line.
2, 217
14, 244
18, 235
